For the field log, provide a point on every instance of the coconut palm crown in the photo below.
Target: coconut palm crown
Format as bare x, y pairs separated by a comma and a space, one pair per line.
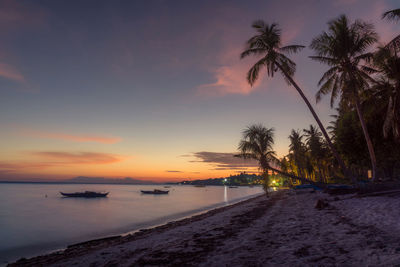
257, 144
267, 42
343, 48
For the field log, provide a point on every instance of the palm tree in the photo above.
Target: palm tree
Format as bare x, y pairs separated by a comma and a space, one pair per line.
256, 143
333, 126
315, 147
343, 47
393, 15
387, 87
297, 147
267, 43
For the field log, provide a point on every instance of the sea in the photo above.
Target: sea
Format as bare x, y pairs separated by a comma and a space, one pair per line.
35, 218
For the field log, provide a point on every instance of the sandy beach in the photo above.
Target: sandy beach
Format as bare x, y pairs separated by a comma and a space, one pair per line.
285, 229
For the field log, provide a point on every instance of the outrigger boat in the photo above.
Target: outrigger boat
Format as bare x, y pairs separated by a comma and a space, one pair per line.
87, 194
155, 192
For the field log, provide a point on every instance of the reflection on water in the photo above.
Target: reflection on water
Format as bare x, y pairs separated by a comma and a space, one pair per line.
225, 194
34, 218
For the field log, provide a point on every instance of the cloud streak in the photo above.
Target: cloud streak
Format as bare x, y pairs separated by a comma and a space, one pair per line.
224, 161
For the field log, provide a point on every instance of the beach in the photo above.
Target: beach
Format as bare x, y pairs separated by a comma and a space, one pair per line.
32, 224
284, 229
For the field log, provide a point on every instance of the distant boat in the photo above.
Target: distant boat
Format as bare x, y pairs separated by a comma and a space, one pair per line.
155, 192
199, 185
87, 194
233, 187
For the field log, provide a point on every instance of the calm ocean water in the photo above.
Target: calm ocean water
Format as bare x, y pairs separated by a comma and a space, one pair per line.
32, 224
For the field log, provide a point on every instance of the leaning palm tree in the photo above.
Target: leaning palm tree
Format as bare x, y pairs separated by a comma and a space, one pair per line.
267, 44
343, 48
256, 143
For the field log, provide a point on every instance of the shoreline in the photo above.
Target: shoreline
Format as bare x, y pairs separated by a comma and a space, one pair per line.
286, 229
140, 232
30, 240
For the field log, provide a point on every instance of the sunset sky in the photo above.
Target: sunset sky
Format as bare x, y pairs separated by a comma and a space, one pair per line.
151, 89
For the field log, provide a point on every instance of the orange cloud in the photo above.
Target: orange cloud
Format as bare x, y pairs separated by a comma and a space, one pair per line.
71, 137
9, 72
78, 158
14, 166
48, 159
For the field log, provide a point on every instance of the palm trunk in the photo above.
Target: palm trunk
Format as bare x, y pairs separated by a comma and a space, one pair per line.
319, 171
396, 117
328, 140
368, 139
299, 169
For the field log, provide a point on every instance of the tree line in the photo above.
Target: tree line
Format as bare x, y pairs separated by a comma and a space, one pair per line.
363, 82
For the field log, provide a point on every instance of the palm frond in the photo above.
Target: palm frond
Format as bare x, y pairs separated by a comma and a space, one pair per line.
252, 51
327, 60
392, 14
252, 74
328, 75
291, 49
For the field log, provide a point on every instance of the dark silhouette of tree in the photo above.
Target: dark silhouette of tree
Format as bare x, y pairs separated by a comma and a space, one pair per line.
298, 149
267, 44
387, 87
343, 47
256, 143
315, 148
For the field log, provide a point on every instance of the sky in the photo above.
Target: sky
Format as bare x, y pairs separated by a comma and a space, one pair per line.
154, 89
